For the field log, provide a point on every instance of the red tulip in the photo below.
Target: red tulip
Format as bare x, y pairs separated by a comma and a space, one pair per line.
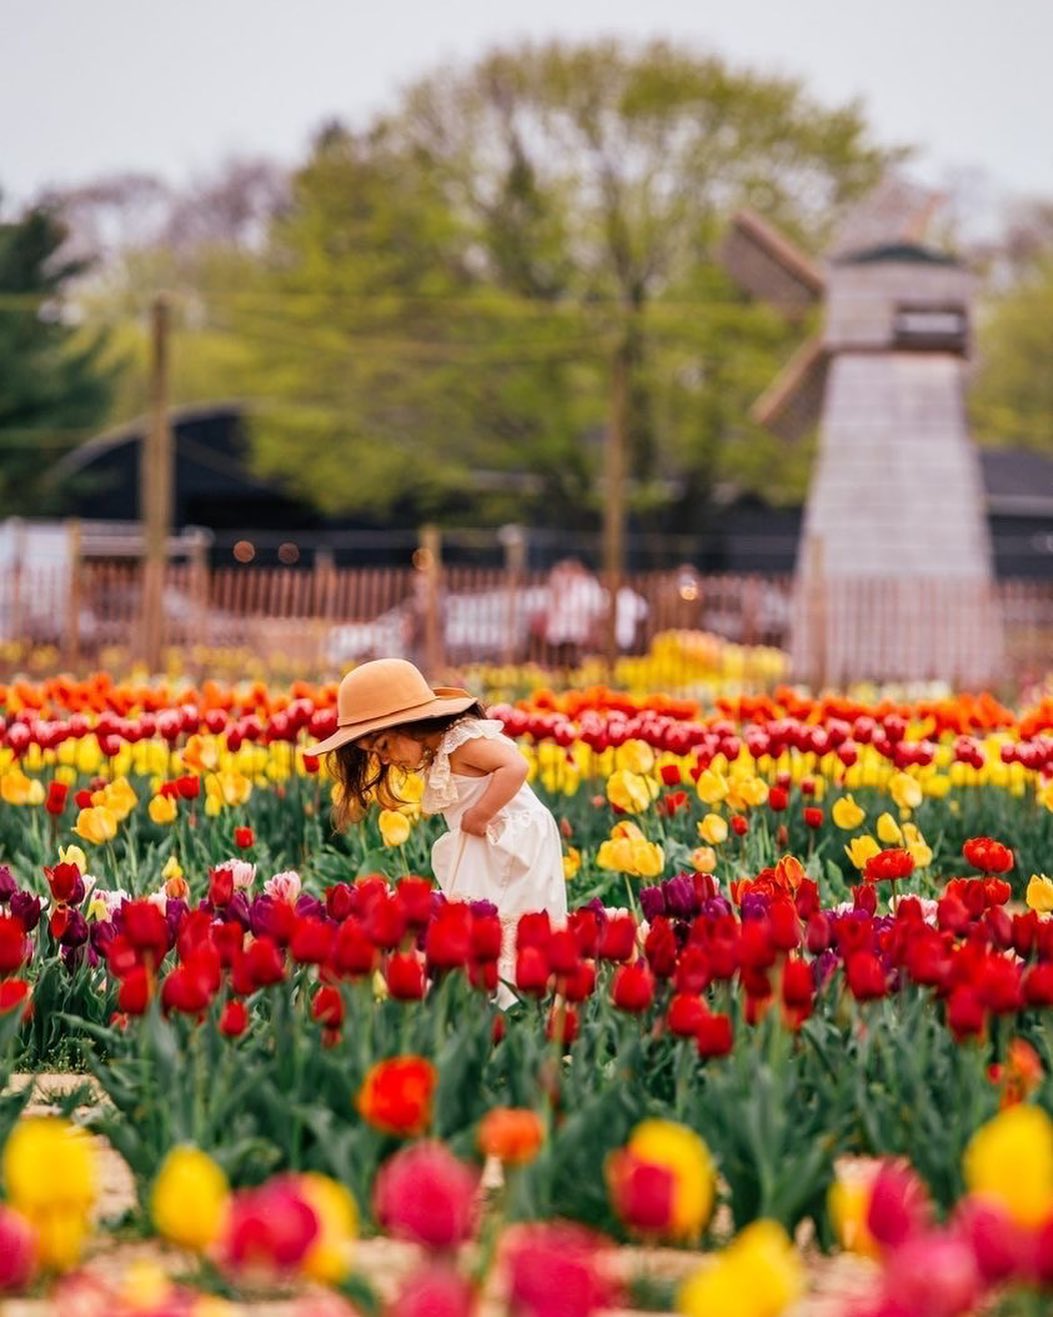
633, 988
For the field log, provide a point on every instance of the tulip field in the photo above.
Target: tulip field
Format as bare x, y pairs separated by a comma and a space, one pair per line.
802, 1010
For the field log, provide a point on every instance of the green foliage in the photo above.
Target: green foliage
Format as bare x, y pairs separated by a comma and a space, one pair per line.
430, 328
53, 385
1012, 399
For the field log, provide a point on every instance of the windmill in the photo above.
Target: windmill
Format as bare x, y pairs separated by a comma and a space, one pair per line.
893, 576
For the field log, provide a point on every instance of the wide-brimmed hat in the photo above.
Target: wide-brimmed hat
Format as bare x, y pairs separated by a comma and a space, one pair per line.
385, 693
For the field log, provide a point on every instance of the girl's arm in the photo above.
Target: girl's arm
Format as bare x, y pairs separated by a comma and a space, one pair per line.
506, 769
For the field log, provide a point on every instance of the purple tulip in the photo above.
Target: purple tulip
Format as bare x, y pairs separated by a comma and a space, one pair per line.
26, 907
680, 899
308, 906
8, 886
754, 906
75, 934
652, 903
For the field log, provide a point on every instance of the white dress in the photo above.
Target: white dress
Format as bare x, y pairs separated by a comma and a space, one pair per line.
518, 865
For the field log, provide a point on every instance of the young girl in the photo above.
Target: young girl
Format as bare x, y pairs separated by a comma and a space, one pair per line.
503, 845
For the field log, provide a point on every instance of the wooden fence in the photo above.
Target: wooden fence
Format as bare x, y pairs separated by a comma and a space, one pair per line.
319, 621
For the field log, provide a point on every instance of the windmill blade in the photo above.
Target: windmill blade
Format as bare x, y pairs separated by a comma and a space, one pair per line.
769, 266
791, 404
892, 213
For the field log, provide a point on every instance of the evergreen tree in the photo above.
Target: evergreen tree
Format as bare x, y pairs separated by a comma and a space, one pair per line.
53, 390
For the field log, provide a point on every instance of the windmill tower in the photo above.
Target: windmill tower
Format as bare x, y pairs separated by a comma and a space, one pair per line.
894, 567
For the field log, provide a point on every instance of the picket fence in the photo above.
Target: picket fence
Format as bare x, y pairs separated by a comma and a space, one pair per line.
319, 621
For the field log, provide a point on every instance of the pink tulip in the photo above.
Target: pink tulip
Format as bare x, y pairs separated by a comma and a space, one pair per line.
1002, 1249
1042, 1254
899, 1205
437, 1292
553, 1272
424, 1193
18, 1250
934, 1274
270, 1227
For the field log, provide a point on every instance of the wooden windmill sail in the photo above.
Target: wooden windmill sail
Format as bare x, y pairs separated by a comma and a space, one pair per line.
894, 568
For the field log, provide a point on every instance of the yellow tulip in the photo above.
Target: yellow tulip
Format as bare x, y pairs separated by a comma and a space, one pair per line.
163, 809
758, 1275
50, 1174
201, 753
571, 863
630, 791
746, 792
15, 787
937, 786
634, 757
905, 790
172, 869
328, 1259
632, 855
60, 1237
73, 855
1010, 1159
847, 814
648, 859
888, 830
848, 1203
1045, 796
118, 797
394, 827
96, 824
189, 1199
89, 756
229, 788
1040, 893
860, 849
703, 859
712, 787
681, 1151
713, 829
920, 850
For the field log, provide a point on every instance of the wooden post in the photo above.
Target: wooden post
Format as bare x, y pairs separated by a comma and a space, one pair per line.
199, 584
18, 563
513, 538
428, 562
73, 593
614, 495
155, 491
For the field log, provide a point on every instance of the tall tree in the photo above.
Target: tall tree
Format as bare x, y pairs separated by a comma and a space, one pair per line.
53, 387
1012, 397
488, 254
396, 367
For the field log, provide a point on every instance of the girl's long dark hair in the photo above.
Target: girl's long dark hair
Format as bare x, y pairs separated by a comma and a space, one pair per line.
361, 777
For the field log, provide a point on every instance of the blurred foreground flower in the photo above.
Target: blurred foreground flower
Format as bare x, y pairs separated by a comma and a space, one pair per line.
662, 1182
50, 1176
426, 1194
190, 1199
758, 1275
1010, 1160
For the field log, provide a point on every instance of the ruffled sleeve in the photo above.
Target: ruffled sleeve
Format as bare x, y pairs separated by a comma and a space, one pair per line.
439, 790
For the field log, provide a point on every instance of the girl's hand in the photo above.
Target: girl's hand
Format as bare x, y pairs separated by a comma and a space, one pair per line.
475, 822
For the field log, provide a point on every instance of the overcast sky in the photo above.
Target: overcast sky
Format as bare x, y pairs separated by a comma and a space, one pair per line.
173, 87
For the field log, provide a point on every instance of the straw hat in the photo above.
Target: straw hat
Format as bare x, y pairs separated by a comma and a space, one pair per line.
385, 693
